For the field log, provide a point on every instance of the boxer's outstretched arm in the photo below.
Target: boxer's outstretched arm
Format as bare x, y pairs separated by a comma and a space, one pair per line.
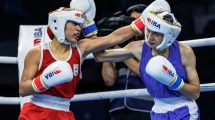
121, 35
132, 50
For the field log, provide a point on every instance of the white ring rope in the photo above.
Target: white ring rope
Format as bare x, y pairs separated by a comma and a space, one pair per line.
107, 95
114, 94
8, 60
10, 100
128, 93
192, 43
200, 42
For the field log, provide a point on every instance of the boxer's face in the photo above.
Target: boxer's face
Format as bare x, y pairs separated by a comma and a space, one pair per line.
154, 38
72, 32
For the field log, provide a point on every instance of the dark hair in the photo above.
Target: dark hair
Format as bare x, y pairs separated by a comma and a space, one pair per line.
168, 18
138, 8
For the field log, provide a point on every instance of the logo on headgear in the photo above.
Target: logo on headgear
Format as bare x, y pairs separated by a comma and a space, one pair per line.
168, 71
78, 15
172, 32
154, 23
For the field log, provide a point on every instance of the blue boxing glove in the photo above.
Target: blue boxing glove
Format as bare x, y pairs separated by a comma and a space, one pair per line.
163, 71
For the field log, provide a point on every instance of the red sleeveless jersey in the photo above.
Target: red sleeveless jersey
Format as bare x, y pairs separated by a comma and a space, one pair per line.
64, 90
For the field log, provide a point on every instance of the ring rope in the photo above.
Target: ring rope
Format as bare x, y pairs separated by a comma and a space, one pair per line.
107, 95
200, 42
10, 100
8, 60
114, 94
192, 43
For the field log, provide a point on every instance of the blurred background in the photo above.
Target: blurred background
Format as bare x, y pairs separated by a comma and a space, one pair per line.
196, 16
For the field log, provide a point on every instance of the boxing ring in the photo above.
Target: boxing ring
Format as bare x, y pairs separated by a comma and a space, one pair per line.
38, 35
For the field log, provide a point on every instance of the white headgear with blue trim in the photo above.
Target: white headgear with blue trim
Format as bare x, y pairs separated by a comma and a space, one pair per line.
58, 20
156, 23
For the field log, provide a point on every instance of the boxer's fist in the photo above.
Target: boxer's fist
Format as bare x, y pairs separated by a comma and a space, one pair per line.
158, 5
89, 9
56, 73
86, 6
163, 71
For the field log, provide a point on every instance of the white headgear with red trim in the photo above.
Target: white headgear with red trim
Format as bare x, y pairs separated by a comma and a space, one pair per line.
156, 23
58, 19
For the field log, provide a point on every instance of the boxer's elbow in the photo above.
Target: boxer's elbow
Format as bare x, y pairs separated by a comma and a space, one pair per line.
22, 93
109, 83
196, 96
98, 57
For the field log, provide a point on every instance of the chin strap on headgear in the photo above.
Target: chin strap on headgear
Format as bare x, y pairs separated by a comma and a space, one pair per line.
156, 23
58, 19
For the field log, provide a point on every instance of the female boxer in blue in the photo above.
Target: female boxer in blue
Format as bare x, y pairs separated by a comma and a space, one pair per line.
167, 67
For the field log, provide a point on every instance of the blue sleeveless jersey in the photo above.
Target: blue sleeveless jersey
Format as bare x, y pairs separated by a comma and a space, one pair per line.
155, 88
